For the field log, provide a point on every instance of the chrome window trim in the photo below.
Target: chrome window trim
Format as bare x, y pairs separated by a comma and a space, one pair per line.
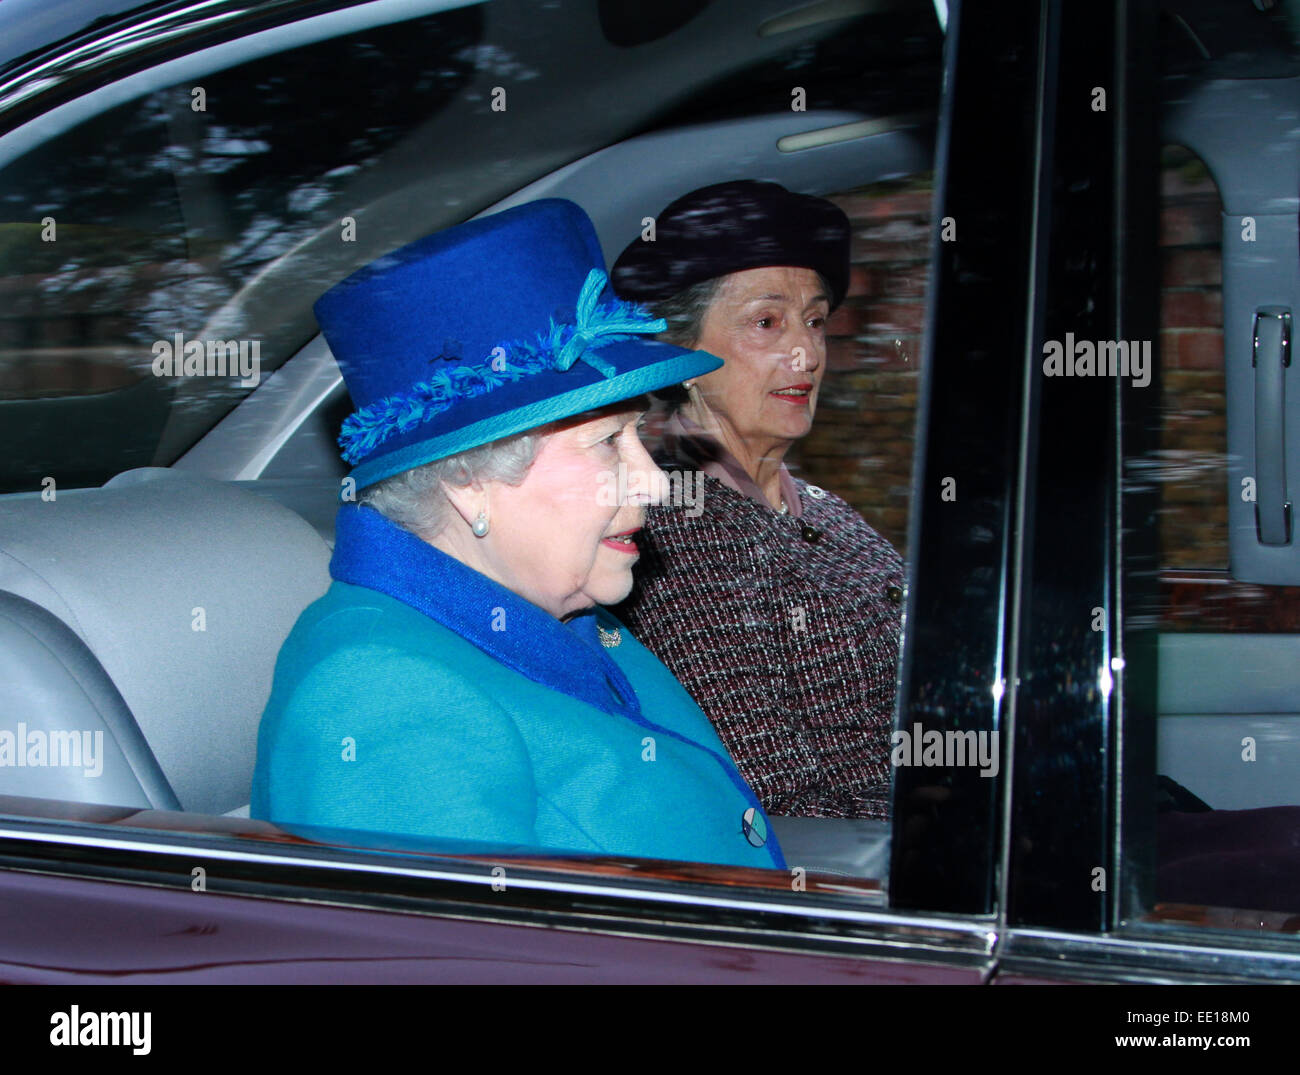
610, 905
93, 60
1135, 954
668, 910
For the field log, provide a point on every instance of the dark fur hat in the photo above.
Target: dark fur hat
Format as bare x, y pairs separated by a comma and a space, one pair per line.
729, 227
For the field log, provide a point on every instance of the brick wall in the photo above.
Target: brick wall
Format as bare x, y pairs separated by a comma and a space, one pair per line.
862, 439
1193, 512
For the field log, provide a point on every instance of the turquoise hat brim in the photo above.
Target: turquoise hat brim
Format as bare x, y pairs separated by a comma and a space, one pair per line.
681, 366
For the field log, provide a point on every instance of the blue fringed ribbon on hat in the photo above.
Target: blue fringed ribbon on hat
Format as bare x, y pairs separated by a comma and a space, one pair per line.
558, 348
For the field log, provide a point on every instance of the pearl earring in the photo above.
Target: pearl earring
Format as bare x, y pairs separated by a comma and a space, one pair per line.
480, 524
688, 385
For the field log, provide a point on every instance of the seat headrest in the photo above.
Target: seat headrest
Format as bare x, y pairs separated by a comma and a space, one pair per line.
184, 589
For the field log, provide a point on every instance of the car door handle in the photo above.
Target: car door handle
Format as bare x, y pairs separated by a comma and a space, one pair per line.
1271, 356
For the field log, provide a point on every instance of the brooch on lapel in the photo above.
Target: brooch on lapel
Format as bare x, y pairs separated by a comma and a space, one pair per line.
754, 827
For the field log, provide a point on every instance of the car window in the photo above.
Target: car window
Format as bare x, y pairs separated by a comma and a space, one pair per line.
1216, 670
219, 216
1054, 345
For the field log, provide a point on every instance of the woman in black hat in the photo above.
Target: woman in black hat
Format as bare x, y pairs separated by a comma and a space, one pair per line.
772, 600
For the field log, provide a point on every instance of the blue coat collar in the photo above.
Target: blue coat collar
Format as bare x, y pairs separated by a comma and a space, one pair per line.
370, 551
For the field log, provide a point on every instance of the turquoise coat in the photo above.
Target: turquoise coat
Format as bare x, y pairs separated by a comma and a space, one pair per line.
419, 697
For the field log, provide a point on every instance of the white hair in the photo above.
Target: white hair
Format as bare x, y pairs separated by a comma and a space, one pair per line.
416, 499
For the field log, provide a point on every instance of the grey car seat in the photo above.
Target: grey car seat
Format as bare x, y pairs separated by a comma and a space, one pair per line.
149, 611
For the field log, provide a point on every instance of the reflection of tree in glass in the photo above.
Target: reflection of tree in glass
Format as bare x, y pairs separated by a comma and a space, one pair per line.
197, 202
165, 215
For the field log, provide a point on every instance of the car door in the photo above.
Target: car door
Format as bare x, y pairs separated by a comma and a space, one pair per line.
1021, 848
1123, 671
219, 218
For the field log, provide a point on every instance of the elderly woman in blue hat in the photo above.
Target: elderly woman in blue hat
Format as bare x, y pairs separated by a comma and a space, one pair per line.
459, 679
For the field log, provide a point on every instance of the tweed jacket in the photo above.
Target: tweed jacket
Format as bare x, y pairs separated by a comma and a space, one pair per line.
786, 631
419, 697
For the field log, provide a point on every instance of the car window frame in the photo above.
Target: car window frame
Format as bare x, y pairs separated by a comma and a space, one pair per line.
1114, 933
158, 849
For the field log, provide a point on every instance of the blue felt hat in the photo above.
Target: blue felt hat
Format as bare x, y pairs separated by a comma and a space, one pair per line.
488, 329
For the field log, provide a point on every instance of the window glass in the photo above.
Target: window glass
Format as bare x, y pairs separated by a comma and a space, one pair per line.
862, 443
814, 624
147, 226
1224, 667
218, 212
